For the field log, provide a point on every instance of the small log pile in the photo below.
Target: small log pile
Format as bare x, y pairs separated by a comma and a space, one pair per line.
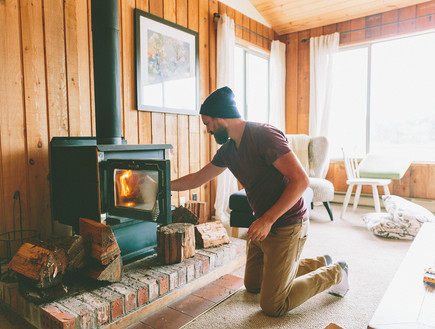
41, 266
211, 234
175, 242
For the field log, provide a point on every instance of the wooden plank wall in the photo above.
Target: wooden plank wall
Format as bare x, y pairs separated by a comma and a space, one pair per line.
47, 90
419, 180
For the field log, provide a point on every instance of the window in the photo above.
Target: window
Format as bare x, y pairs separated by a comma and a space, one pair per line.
384, 100
252, 84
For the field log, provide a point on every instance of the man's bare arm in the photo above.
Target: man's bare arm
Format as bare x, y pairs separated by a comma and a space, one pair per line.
196, 179
290, 167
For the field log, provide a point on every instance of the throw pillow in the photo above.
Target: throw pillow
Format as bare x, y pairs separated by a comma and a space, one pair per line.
406, 212
383, 225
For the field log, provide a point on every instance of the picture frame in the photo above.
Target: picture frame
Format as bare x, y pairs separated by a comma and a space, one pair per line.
167, 66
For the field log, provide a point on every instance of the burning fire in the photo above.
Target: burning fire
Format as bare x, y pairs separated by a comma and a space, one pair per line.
125, 189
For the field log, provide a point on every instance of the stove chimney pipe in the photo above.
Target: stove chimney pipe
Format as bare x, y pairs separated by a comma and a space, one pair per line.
107, 82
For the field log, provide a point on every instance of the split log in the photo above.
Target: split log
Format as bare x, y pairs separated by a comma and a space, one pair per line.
211, 234
184, 215
111, 272
198, 208
100, 239
175, 242
74, 248
40, 262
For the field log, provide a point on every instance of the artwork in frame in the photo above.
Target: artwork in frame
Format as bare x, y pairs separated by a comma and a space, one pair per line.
167, 69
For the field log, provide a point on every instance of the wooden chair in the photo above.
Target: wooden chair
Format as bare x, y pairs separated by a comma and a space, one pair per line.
353, 178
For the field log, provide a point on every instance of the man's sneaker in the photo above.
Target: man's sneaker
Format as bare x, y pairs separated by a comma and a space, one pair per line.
328, 259
341, 288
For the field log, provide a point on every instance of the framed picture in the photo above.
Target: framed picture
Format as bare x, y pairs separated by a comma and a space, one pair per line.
167, 69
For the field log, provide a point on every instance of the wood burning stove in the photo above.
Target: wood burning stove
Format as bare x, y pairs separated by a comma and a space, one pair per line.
125, 186
87, 173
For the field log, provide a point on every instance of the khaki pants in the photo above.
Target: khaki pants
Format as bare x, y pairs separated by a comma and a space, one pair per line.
273, 268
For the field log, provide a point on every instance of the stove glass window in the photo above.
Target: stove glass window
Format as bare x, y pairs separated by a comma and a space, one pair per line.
136, 189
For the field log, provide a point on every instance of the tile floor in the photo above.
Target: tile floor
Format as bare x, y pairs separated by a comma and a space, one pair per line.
180, 312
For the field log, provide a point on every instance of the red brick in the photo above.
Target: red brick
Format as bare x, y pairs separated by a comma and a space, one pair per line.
54, 316
101, 306
153, 286
141, 289
211, 258
162, 279
204, 263
219, 252
172, 273
129, 295
182, 273
116, 301
88, 315
197, 264
227, 253
190, 271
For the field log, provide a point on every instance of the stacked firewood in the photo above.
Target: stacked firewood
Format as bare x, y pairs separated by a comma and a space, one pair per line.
176, 242
42, 265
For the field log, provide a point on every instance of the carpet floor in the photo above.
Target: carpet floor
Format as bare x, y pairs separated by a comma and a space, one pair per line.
372, 262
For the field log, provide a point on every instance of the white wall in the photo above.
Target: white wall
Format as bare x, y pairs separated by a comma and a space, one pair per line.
246, 8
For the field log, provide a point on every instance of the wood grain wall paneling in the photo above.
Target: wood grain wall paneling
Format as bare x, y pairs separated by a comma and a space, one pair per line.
47, 55
194, 121
36, 113
204, 67
213, 8
183, 120
144, 117
128, 90
78, 81
57, 106
291, 102
13, 144
303, 82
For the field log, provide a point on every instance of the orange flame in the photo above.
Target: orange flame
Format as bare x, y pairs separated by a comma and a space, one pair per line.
125, 189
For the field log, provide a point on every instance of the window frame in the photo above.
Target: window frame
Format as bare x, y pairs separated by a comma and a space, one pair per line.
249, 48
368, 45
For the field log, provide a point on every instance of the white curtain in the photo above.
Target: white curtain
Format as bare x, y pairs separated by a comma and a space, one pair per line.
226, 182
277, 85
322, 50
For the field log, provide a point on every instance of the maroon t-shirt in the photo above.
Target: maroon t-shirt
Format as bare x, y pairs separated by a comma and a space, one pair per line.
252, 165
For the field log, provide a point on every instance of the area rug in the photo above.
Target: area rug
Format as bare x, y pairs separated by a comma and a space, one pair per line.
372, 264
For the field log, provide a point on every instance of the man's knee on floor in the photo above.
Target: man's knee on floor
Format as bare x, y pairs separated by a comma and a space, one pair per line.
274, 310
253, 288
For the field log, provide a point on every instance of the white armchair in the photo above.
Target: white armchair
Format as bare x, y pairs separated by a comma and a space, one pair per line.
312, 152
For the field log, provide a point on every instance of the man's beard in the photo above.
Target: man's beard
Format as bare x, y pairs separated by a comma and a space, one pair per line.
221, 135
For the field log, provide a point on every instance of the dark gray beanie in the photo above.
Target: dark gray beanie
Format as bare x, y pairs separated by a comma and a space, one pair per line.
220, 104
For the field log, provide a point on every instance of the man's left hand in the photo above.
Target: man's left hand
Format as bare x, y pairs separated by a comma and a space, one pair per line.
259, 229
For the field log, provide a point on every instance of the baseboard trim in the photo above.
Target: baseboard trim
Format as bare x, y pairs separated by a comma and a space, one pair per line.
367, 200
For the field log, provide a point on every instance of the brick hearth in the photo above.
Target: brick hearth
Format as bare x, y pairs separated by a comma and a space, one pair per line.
145, 287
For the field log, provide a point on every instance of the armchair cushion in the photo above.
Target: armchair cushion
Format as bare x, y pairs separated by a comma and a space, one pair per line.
323, 189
